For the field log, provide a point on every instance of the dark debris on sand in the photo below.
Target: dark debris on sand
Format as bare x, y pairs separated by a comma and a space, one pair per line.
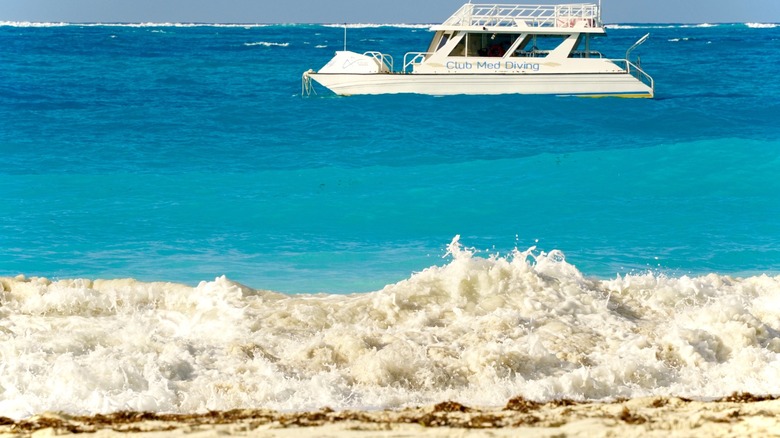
746, 397
517, 412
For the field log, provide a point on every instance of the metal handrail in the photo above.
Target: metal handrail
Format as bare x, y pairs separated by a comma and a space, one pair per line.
498, 15
586, 54
382, 58
635, 71
417, 58
639, 42
640, 74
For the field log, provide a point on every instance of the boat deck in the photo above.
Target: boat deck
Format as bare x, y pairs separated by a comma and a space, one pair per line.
536, 16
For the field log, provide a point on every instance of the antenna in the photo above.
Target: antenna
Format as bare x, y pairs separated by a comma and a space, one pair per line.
345, 37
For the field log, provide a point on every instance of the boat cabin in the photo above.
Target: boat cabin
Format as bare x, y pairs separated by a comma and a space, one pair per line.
501, 44
498, 31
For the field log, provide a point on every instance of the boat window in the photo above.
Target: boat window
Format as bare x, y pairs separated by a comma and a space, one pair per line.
474, 44
495, 45
443, 41
460, 48
524, 47
582, 49
484, 44
539, 45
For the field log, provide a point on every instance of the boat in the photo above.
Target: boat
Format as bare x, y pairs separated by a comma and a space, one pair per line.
496, 49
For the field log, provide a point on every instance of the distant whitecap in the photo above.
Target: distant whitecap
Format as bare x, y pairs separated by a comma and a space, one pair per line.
761, 25
267, 44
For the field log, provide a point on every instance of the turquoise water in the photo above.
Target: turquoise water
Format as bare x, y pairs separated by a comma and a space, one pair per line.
158, 181
183, 153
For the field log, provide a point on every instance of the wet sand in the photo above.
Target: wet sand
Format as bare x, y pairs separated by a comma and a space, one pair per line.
739, 415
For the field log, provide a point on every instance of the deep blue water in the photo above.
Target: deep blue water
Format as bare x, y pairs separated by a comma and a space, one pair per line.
182, 153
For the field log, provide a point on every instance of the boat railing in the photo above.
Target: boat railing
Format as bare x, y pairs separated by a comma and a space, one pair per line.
535, 53
586, 54
635, 71
500, 15
413, 58
384, 60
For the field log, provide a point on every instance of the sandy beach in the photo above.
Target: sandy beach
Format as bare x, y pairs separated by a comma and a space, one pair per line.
739, 415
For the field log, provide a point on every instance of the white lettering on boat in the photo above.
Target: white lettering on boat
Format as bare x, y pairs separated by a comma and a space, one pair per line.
496, 65
453, 65
512, 65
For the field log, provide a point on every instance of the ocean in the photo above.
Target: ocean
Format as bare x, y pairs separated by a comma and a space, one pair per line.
182, 231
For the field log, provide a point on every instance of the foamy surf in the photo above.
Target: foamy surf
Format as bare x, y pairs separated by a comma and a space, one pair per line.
267, 44
477, 330
762, 25
131, 25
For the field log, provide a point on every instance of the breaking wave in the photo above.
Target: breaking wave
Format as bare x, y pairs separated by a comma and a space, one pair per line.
754, 25
147, 24
478, 330
373, 25
762, 25
685, 26
267, 44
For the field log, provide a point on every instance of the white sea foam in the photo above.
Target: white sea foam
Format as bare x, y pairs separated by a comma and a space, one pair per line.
147, 24
641, 26
661, 26
267, 44
476, 329
348, 25
762, 25
32, 24
373, 25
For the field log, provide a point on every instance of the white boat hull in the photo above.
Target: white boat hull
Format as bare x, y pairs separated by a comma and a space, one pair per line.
496, 49
582, 84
